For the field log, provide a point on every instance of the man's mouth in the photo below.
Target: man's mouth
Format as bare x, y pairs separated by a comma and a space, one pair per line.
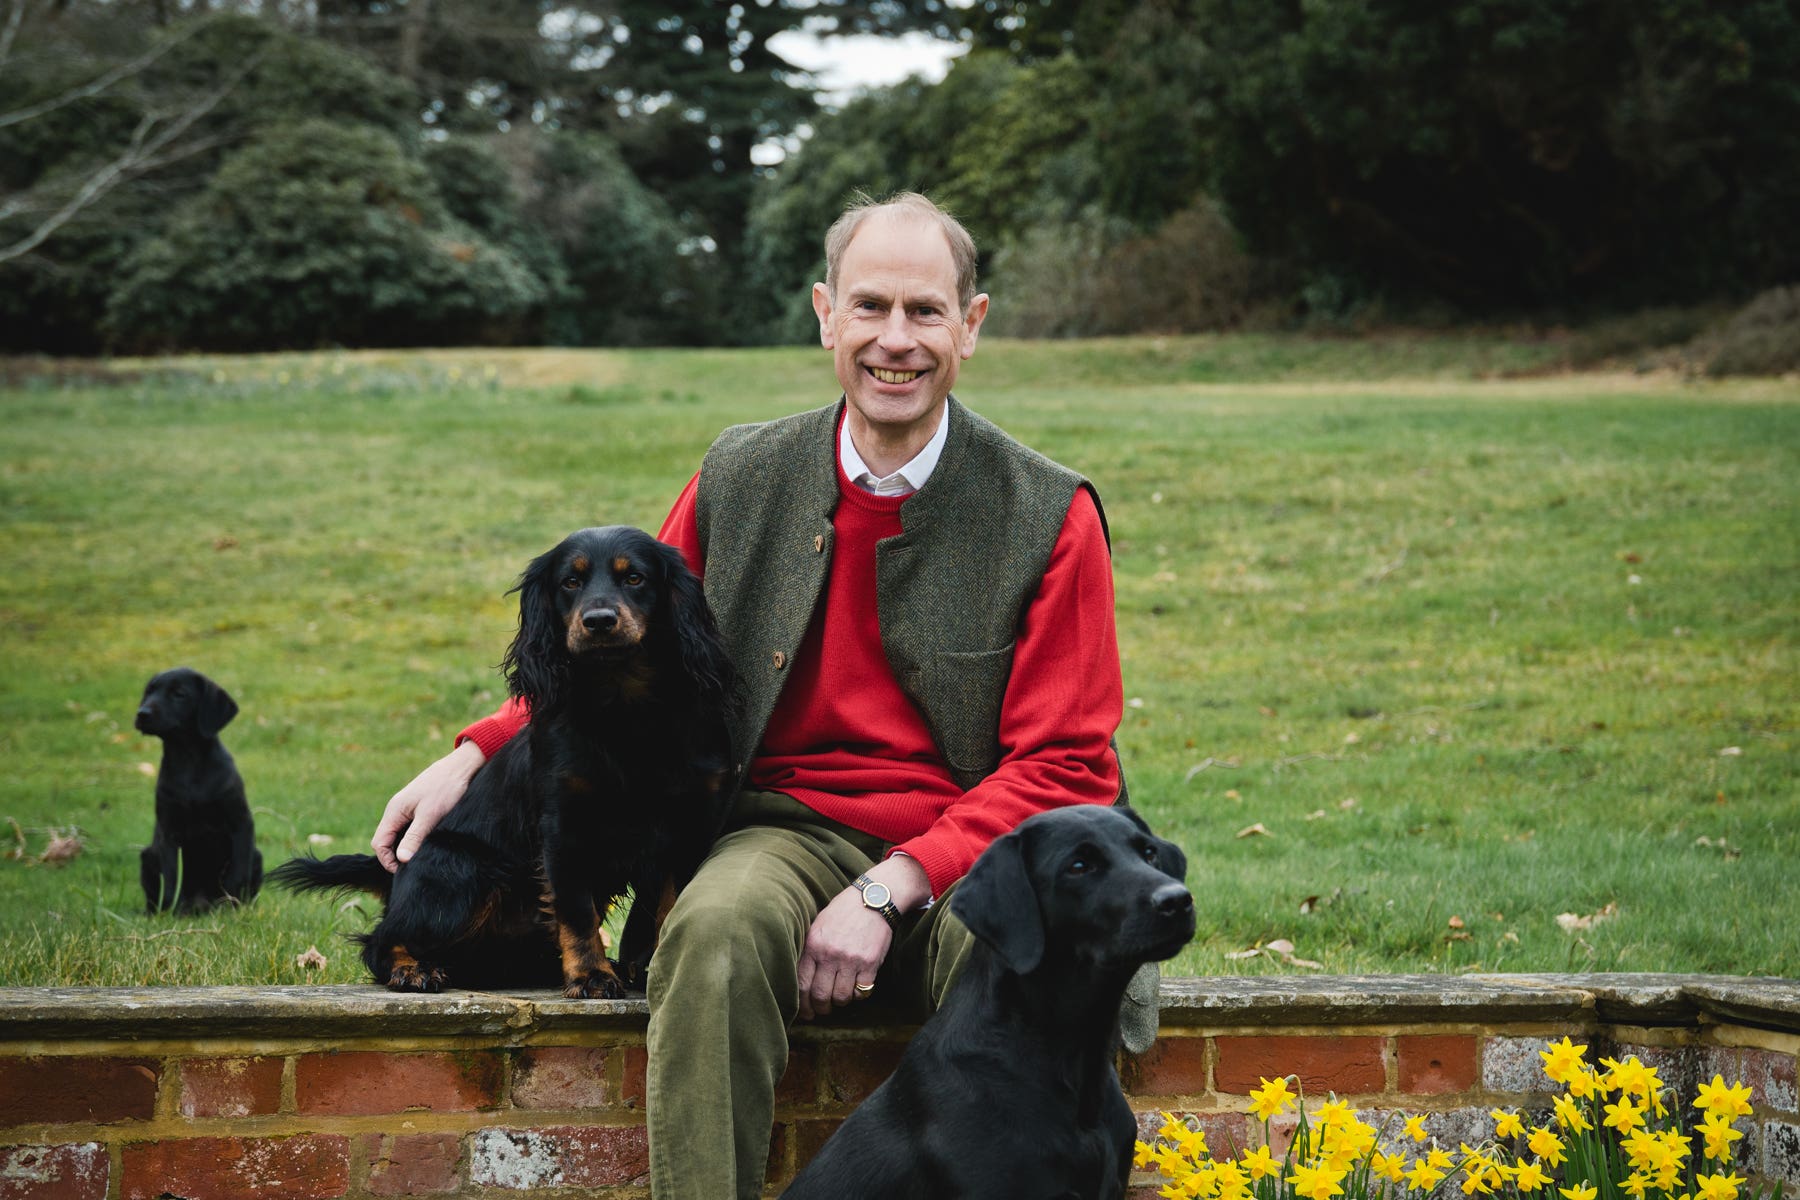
887, 376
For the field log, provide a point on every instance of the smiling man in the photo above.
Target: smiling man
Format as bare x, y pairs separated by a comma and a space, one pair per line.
921, 612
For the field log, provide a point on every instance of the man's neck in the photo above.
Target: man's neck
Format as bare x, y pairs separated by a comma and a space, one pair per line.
884, 449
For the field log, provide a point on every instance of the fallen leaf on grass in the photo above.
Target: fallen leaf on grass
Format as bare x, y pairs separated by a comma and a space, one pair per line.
62, 848
319, 839
1255, 830
1571, 923
312, 960
1455, 922
1317, 814
18, 847
147, 769
1731, 752
1279, 948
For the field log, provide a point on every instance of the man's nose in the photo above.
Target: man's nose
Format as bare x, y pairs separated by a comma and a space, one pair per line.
897, 330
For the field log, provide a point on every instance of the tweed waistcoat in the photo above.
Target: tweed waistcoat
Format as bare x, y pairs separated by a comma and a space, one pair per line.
950, 589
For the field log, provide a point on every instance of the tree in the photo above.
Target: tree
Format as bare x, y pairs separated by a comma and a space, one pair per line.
1511, 153
319, 234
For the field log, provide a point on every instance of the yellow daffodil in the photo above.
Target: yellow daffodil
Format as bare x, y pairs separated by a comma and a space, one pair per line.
1332, 1113
1623, 1116
1260, 1163
1723, 1186
1583, 1083
1415, 1128
1506, 1124
1561, 1060
1144, 1156
1439, 1158
1423, 1177
1717, 1097
1570, 1116
1389, 1166
1270, 1098
1581, 1191
1546, 1145
1718, 1133
1632, 1077
1635, 1185
1530, 1177
1231, 1181
1321, 1182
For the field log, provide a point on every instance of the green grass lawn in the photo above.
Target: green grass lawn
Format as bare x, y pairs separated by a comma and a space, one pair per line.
1469, 646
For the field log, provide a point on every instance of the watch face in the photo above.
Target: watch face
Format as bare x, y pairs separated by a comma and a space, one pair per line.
875, 894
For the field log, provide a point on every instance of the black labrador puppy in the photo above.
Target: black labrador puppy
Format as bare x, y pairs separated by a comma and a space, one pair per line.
203, 850
1066, 908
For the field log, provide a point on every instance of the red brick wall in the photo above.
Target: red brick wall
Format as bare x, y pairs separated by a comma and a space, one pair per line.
556, 1110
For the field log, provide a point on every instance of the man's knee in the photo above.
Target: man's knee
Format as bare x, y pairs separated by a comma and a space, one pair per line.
721, 942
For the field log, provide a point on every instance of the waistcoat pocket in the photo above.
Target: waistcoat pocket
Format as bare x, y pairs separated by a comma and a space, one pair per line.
961, 692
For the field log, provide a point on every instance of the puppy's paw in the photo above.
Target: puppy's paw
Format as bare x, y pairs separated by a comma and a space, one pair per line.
416, 977
599, 984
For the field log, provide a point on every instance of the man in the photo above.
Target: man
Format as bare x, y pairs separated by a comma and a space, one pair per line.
921, 611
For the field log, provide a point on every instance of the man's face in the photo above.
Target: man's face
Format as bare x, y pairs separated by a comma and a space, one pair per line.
895, 330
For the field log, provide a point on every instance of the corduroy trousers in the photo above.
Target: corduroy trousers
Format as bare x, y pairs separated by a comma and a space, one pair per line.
723, 989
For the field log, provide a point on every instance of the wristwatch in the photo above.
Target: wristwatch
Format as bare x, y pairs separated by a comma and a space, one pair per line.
875, 895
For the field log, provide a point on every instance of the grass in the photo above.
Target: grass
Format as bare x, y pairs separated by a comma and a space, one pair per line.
1475, 644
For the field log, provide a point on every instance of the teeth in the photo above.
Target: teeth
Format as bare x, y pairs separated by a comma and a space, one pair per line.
894, 376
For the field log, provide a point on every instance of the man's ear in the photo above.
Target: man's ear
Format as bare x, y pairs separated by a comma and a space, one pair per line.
821, 300
973, 316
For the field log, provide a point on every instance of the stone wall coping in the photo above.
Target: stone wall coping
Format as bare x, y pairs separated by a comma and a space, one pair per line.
1273, 1002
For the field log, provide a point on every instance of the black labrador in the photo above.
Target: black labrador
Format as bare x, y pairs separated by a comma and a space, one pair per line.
1009, 1090
203, 850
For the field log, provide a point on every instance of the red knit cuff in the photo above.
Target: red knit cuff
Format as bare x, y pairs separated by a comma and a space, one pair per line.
942, 867
489, 734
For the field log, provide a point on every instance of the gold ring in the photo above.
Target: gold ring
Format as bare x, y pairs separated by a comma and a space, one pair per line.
863, 989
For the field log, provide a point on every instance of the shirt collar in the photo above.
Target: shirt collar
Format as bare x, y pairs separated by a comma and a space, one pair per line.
909, 478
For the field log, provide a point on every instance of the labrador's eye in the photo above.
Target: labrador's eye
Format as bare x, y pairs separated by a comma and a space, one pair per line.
1079, 866
1149, 854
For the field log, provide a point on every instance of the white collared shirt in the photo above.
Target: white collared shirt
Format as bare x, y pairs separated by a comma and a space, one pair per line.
909, 478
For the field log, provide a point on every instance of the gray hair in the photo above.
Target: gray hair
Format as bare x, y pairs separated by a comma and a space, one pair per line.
908, 204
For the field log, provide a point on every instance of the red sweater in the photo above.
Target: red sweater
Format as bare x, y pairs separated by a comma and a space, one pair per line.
848, 743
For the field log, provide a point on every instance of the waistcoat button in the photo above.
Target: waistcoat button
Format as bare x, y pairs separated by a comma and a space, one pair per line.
779, 659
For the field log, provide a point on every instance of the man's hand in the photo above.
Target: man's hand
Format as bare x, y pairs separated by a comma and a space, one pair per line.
848, 940
421, 804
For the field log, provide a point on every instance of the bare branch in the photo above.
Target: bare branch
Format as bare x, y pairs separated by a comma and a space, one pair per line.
102, 81
148, 149
15, 17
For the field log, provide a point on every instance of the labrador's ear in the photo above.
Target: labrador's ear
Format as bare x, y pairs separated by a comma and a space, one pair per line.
214, 709
999, 904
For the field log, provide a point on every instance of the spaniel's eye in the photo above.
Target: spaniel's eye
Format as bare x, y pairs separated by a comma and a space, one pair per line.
571, 583
633, 579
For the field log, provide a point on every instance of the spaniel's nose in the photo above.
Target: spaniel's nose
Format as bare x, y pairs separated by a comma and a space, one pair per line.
600, 620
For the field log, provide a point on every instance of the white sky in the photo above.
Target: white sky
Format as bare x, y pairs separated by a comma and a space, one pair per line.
845, 65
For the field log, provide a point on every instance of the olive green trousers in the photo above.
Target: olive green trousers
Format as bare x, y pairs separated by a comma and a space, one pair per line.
723, 989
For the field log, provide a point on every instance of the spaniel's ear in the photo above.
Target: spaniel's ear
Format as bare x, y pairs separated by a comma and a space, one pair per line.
702, 650
998, 902
536, 664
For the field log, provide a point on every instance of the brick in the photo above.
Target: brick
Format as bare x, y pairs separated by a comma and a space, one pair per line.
1515, 1066
1770, 1075
810, 1137
73, 1171
362, 1083
854, 1069
632, 1087
1436, 1066
1781, 1153
799, 1083
1173, 1066
588, 1156
55, 1090
1347, 1066
304, 1167
776, 1167
413, 1164
230, 1087
561, 1077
